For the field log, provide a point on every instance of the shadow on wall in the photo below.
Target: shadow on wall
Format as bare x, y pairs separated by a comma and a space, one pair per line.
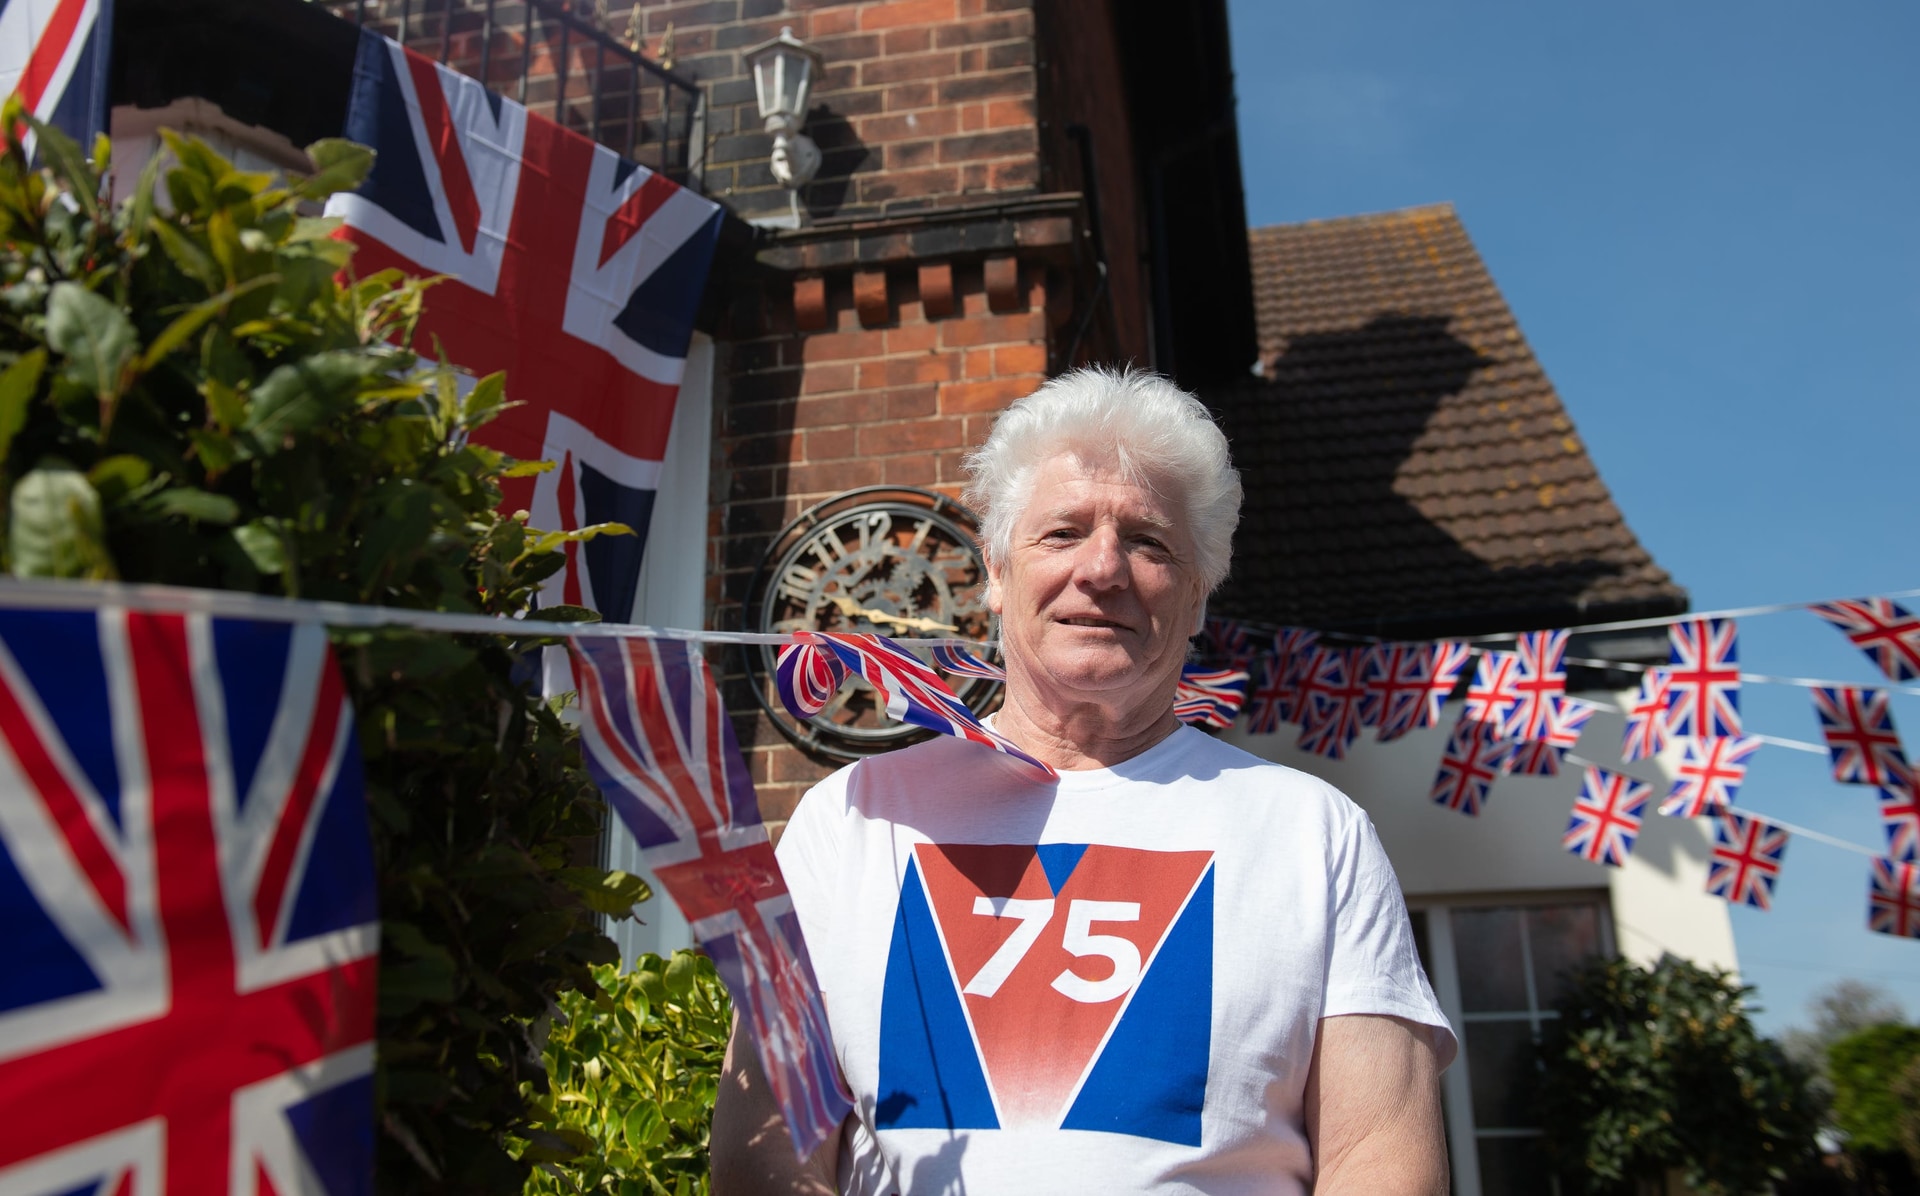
1333, 439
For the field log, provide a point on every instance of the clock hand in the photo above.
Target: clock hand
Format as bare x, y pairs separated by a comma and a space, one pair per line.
853, 609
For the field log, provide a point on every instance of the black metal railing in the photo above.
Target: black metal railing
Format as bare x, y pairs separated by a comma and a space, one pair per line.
559, 64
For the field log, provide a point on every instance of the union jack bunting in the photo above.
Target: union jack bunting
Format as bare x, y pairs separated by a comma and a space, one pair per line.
1900, 819
576, 272
54, 55
1709, 776
1886, 631
962, 663
1422, 680
1331, 695
1296, 646
1492, 697
1540, 675
187, 892
1269, 693
1541, 757
809, 670
1703, 679
1606, 817
1209, 697
661, 748
1473, 758
1647, 718
1858, 725
1746, 859
1893, 898
1229, 640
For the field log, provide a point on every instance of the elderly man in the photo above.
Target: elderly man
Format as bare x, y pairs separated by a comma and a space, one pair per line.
1177, 968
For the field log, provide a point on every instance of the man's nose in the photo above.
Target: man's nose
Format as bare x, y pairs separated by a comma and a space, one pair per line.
1101, 563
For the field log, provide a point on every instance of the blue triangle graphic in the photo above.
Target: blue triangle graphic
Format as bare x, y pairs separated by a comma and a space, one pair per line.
930, 1075
1059, 860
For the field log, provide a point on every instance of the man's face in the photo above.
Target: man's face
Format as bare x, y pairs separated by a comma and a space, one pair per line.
1099, 591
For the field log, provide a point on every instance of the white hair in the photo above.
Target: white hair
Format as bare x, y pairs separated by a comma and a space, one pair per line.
1155, 433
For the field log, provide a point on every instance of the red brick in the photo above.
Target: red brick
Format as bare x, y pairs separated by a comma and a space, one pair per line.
829, 444
991, 29
911, 436
855, 408
909, 95
992, 394
916, 402
873, 374
908, 41
910, 154
832, 477
973, 118
953, 470
840, 346
795, 766
920, 368
910, 184
823, 377
907, 126
911, 337
1001, 144
979, 363
1007, 176
916, 470
959, 90
1020, 359
883, 71
973, 177
828, 21
906, 12
1003, 114
987, 330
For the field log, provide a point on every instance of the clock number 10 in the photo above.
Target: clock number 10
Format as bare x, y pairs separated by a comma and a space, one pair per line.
1033, 914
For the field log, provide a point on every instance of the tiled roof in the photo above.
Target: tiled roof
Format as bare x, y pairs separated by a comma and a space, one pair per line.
1408, 465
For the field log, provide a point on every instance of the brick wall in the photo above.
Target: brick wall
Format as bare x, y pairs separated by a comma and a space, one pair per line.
805, 415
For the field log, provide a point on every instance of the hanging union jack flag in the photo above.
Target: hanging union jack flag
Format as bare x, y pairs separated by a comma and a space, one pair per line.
1297, 645
660, 746
1474, 756
1646, 715
1540, 675
1209, 697
962, 663
1893, 899
1709, 776
1422, 682
1746, 859
54, 55
1703, 679
1269, 692
1331, 694
1900, 820
1491, 698
576, 272
1230, 640
1606, 817
1858, 725
187, 892
1886, 631
810, 670
1541, 757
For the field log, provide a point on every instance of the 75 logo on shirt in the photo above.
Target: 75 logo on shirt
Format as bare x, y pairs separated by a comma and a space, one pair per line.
1065, 985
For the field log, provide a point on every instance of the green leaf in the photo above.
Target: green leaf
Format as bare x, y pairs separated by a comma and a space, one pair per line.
188, 503
94, 335
301, 394
546, 542
527, 469
613, 893
640, 1126
69, 164
487, 399
563, 613
175, 334
17, 386
338, 165
114, 478
679, 977
193, 261
55, 528
263, 546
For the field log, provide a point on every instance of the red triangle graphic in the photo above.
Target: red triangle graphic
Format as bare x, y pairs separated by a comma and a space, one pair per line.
1044, 975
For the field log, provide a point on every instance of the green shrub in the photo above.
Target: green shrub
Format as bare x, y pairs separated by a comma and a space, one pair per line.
1648, 1070
633, 1068
187, 396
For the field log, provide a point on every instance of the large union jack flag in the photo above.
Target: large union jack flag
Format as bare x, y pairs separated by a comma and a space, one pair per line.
1858, 725
661, 748
1541, 757
1606, 817
1709, 776
1332, 692
1209, 697
1703, 679
1900, 820
1540, 676
575, 271
1893, 898
187, 892
1492, 697
1474, 757
1886, 631
1646, 733
54, 55
1745, 865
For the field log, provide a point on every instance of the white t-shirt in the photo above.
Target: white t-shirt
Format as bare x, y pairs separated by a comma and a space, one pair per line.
1108, 984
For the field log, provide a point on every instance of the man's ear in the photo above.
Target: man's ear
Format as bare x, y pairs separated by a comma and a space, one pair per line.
994, 599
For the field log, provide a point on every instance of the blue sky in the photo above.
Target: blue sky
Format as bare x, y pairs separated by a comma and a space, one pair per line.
1707, 219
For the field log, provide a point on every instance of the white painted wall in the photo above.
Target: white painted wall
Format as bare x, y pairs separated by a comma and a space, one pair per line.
1659, 899
672, 593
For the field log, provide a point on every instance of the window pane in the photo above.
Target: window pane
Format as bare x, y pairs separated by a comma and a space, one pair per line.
1512, 1167
1501, 1065
1562, 937
1486, 944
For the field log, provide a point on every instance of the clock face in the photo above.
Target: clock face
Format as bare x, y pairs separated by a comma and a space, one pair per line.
889, 560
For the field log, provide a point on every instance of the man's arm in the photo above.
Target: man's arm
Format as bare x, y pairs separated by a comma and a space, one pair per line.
1373, 1109
751, 1153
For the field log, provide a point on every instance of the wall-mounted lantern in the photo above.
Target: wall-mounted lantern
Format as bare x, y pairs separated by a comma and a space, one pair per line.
783, 72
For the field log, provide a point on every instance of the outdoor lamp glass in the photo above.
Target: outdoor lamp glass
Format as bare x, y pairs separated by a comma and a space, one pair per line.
783, 71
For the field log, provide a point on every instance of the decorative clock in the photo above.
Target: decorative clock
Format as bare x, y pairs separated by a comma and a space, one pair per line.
894, 560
